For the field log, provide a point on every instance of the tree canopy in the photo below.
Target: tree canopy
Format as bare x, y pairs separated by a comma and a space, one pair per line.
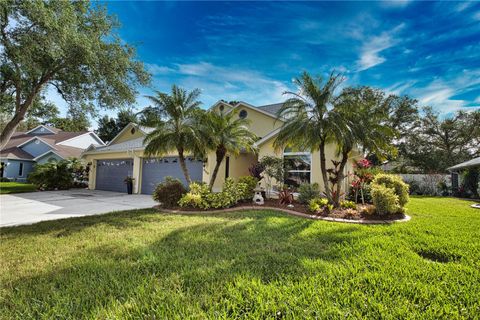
70, 46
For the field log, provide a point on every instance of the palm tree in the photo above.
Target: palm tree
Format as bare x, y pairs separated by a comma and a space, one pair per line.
225, 133
310, 124
175, 131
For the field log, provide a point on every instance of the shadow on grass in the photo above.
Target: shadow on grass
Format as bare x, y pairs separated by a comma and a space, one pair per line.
185, 268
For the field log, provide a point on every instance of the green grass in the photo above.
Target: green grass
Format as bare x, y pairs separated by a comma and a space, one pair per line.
255, 264
16, 187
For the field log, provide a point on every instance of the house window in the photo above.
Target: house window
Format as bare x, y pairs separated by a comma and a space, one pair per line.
297, 166
243, 114
20, 170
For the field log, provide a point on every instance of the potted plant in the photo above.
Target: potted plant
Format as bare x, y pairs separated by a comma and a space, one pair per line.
129, 182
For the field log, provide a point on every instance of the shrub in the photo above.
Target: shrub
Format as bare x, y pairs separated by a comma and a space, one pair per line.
385, 200
396, 183
285, 197
317, 204
169, 192
201, 197
348, 204
3, 179
52, 175
251, 184
307, 192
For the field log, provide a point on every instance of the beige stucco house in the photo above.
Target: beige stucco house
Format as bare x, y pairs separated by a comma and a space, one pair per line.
124, 156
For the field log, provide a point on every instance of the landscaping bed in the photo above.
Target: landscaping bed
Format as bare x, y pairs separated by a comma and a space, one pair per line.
362, 213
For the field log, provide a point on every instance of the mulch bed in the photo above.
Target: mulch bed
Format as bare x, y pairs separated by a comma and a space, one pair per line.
340, 215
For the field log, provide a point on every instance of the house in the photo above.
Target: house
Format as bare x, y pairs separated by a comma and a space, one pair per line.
40, 145
124, 156
456, 169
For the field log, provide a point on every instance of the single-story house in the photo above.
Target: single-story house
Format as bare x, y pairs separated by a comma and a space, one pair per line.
40, 145
473, 163
124, 156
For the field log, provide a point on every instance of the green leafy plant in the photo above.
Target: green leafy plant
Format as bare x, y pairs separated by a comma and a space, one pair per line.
274, 172
201, 197
396, 183
169, 192
307, 192
52, 175
317, 205
385, 200
346, 204
251, 184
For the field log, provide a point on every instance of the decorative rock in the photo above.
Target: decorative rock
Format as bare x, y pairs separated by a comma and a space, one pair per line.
290, 206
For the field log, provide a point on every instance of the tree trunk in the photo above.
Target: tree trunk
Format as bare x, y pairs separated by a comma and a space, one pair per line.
11, 126
220, 155
323, 167
341, 177
183, 165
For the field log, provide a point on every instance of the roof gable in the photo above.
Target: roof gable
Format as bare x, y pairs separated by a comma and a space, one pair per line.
42, 129
130, 132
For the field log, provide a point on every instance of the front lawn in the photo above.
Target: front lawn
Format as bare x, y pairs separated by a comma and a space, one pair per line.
255, 264
16, 187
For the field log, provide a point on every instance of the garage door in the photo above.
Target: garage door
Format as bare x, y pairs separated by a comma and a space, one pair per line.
154, 171
111, 174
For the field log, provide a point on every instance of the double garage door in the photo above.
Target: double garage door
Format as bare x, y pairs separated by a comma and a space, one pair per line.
111, 173
154, 171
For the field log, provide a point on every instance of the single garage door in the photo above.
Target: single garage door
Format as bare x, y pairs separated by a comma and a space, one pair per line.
111, 174
154, 171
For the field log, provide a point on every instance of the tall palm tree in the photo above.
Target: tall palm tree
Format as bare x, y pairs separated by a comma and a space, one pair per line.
175, 131
225, 133
364, 114
310, 124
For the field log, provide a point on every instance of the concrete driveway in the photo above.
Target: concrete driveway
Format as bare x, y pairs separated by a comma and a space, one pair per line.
31, 207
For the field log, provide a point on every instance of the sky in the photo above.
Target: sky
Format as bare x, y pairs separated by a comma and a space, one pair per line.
251, 51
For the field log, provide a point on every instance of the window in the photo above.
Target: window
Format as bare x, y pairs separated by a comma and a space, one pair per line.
297, 166
243, 114
20, 170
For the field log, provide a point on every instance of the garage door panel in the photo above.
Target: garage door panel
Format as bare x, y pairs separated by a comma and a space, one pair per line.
111, 174
154, 171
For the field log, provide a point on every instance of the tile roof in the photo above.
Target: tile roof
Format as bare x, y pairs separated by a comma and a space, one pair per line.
13, 152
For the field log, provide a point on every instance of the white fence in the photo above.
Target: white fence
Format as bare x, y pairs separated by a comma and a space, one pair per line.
427, 183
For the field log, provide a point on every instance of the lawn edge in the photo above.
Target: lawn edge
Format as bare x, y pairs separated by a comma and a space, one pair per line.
291, 212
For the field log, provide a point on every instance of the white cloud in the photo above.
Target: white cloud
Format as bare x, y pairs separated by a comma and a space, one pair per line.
155, 69
373, 46
222, 82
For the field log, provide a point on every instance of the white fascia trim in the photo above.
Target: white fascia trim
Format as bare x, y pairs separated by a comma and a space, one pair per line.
109, 151
35, 138
267, 137
21, 159
44, 154
83, 134
39, 127
221, 102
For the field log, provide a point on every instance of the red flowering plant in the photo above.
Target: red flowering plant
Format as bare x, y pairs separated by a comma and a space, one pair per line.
362, 177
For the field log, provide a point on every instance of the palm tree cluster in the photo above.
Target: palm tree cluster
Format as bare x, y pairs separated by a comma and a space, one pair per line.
355, 118
182, 126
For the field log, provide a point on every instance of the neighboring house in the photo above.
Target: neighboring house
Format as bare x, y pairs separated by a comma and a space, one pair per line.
456, 169
40, 145
124, 156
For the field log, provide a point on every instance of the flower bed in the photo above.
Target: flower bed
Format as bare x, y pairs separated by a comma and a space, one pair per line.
358, 215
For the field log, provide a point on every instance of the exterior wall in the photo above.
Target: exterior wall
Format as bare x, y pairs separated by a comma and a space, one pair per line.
127, 135
48, 157
12, 167
82, 142
36, 149
238, 166
260, 124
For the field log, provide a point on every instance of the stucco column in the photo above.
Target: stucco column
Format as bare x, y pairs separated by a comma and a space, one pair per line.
92, 174
137, 165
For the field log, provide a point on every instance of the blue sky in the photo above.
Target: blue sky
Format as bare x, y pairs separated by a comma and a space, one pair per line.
250, 51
